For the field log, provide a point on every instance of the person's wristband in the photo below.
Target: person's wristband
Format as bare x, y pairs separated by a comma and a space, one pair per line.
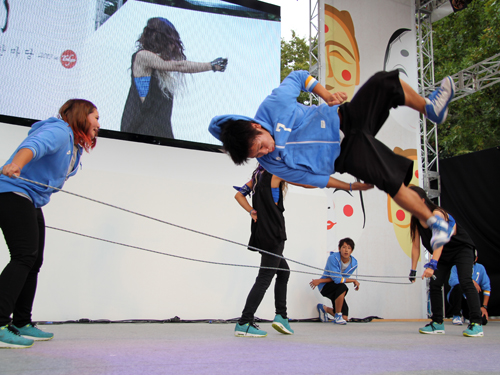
245, 189
350, 187
485, 306
433, 264
251, 211
413, 274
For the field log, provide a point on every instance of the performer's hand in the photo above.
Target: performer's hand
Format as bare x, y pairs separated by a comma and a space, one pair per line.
484, 312
478, 288
412, 277
336, 98
356, 285
253, 214
219, 64
11, 170
361, 186
429, 272
314, 283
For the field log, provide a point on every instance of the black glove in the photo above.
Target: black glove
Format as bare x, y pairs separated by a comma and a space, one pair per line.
219, 62
412, 277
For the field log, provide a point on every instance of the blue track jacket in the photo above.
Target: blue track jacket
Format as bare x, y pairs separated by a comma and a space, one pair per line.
307, 138
479, 275
51, 142
334, 265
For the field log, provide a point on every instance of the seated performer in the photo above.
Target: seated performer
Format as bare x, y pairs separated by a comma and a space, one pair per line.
306, 145
457, 299
339, 267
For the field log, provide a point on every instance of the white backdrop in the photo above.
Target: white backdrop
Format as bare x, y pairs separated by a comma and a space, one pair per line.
85, 278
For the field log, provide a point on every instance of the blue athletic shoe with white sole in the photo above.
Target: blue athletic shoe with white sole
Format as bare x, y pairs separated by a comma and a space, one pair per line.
282, 325
322, 313
436, 108
474, 330
10, 339
441, 231
31, 331
433, 328
249, 330
338, 319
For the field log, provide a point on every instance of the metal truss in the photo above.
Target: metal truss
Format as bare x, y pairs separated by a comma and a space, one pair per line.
428, 130
468, 81
314, 43
476, 77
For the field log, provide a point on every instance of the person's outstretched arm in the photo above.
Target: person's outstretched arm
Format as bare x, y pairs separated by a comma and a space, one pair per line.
337, 184
145, 61
22, 157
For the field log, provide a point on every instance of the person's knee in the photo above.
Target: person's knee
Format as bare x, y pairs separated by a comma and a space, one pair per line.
25, 259
282, 276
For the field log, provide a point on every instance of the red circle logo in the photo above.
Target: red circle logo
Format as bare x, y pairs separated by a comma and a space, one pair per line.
68, 59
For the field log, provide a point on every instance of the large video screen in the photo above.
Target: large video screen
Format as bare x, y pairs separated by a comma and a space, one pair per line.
146, 65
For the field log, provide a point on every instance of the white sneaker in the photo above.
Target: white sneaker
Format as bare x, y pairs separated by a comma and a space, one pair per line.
436, 108
338, 319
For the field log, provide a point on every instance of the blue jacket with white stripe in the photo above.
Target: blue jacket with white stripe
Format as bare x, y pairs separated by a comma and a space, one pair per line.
307, 138
333, 269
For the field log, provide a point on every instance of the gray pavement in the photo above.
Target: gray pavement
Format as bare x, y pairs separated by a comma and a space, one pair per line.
378, 347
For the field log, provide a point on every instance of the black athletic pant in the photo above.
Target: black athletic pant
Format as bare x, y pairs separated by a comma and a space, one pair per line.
23, 227
262, 282
464, 260
333, 291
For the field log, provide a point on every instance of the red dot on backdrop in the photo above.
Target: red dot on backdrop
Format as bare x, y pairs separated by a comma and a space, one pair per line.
400, 215
348, 210
346, 75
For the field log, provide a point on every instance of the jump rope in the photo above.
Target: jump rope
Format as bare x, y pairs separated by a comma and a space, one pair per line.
324, 271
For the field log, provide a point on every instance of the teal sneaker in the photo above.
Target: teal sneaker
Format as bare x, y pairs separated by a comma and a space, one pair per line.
474, 330
32, 332
282, 325
432, 328
249, 330
11, 340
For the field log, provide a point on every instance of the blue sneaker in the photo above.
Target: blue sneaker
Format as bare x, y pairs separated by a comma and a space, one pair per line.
9, 339
436, 108
441, 232
432, 328
474, 330
322, 313
282, 325
338, 319
249, 330
32, 332
457, 320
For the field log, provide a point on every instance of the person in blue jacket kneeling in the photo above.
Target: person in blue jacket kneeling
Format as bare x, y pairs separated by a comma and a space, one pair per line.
339, 267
